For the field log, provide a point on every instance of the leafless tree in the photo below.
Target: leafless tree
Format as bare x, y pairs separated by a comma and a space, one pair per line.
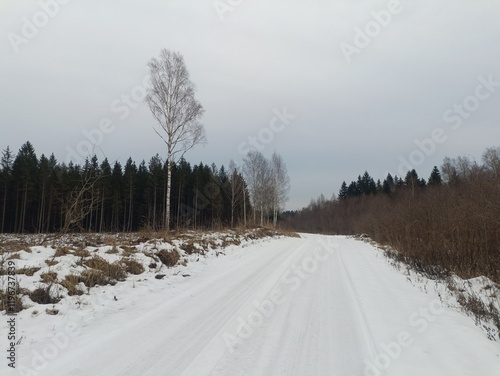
268, 183
80, 202
491, 159
256, 168
171, 99
280, 184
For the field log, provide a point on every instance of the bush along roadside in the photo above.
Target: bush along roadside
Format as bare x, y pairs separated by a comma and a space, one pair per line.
477, 297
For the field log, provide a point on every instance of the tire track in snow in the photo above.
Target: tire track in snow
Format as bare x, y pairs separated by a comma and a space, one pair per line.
253, 350
358, 308
209, 323
310, 333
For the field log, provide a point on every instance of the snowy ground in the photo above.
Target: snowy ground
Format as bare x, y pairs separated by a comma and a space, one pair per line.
317, 305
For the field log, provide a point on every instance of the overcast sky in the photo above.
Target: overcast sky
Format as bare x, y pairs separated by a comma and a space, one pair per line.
357, 83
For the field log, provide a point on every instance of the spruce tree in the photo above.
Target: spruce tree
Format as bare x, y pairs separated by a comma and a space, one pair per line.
435, 178
6, 176
389, 184
343, 194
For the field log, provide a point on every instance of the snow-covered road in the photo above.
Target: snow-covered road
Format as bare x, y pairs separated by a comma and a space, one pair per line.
312, 306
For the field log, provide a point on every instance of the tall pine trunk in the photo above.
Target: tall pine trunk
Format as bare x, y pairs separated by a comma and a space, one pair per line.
131, 206
49, 211
4, 208
23, 211
169, 188
154, 210
41, 212
244, 207
178, 207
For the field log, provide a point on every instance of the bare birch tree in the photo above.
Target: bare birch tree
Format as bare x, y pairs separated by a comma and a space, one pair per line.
257, 172
252, 164
280, 185
268, 183
172, 102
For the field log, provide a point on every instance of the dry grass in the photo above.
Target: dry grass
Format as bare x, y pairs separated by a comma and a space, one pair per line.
169, 258
51, 262
189, 248
14, 246
114, 271
92, 278
82, 252
49, 277
42, 295
100, 271
288, 233
151, 255
261, 232
112, 251
128, 251
428, 270
133, 267
71, 284
62, 251
28, 271
480, 311
14, 256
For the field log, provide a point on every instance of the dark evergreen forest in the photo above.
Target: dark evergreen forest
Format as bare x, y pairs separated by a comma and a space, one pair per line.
39, 194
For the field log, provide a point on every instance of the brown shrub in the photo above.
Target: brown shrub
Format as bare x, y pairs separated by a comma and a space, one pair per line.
288, 233
42, 295
168, 258
113, 271
82, 252
189, 248
128, 251
92, 277
133, 267
71, 284
112, 251
49, 277
62, 251
15, 246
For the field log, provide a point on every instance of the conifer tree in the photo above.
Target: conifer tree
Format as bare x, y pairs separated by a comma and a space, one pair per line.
435, 177
343, 192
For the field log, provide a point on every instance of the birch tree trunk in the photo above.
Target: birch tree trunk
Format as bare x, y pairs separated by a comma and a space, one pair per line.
172, 102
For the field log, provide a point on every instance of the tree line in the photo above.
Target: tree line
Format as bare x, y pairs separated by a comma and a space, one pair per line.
39, 194
450, 220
